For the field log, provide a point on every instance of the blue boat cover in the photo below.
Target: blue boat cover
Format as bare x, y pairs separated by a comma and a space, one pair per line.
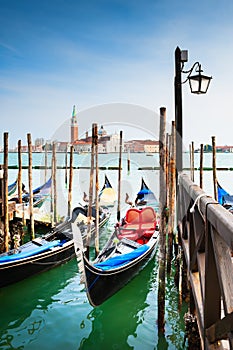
123, 259
25, 254
221, 194
144, 191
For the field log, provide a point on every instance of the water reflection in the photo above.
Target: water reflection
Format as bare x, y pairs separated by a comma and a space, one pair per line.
118, 318
53, 306
25, 303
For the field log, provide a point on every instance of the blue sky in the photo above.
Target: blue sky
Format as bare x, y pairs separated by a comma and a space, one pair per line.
56, 54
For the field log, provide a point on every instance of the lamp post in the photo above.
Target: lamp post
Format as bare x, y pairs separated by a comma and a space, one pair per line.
198, 83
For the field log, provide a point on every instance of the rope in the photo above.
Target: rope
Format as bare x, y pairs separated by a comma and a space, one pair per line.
197, 202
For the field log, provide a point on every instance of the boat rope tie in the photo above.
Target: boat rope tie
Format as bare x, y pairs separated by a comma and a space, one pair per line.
197, 202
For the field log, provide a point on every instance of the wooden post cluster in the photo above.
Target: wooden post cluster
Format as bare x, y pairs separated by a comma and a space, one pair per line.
167, 196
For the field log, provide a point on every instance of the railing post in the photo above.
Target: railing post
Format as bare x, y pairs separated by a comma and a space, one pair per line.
212, 295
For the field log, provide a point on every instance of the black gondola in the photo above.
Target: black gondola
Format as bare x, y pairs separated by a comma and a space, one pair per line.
145, 197
130, 247
45, 252
40, 194
107, 195
12, 189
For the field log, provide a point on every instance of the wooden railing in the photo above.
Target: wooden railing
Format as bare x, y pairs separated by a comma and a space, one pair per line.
205, 230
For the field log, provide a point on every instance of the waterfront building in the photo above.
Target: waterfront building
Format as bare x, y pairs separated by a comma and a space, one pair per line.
39, 142
142, 146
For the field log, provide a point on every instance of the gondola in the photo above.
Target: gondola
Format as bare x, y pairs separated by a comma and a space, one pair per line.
12, 189
224, 198
107, 195
45, 252
40, 194
132, 244
145, 197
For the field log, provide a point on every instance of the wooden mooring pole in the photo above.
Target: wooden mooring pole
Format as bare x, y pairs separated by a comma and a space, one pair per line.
96, 191
31, 214
20, 184
89, 216
70, 181
45, 161
5, 194
201, 166
54, 181
214, 168
66, 165
119, 180
172, 197
162, 229
192, 160
128, 161
20, 172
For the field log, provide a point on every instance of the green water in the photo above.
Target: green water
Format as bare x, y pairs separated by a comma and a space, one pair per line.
51, 311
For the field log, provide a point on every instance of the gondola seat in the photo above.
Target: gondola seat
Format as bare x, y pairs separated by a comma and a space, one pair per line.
138, 224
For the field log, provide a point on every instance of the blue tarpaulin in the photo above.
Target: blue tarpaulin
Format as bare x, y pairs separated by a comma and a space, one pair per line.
25, 254
221, 194
123, 259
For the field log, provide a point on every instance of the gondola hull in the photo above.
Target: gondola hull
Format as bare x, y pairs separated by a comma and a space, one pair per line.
130, 247
16, 267
101, 285
16, 271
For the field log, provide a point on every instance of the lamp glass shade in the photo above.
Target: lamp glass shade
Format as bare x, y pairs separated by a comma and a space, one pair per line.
199, 83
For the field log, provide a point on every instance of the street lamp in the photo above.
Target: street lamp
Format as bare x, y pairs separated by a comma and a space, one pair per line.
198, 83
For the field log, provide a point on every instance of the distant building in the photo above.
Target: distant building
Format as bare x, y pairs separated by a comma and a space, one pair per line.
102, 132
142, 146
111, 143
62, 146
82, 146
225, 149
134, 146
39, 142
151, 146
106, 143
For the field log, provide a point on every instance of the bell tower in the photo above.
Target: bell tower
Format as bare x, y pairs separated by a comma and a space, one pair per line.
74, 126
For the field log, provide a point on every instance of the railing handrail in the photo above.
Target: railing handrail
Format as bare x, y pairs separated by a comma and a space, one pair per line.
206, 236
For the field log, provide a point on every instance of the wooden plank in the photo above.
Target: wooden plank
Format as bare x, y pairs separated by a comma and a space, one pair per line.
220, 329
225, 271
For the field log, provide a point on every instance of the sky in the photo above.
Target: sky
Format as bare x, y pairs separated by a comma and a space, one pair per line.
102, 55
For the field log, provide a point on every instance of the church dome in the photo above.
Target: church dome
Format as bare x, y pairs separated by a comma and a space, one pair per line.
102, 131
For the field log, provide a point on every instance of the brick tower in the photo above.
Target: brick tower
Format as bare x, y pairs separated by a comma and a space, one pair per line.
74, 126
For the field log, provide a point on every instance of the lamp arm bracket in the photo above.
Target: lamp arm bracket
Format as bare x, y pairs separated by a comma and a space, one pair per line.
189, 72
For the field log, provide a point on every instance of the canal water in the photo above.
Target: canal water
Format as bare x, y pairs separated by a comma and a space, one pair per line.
51, 311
